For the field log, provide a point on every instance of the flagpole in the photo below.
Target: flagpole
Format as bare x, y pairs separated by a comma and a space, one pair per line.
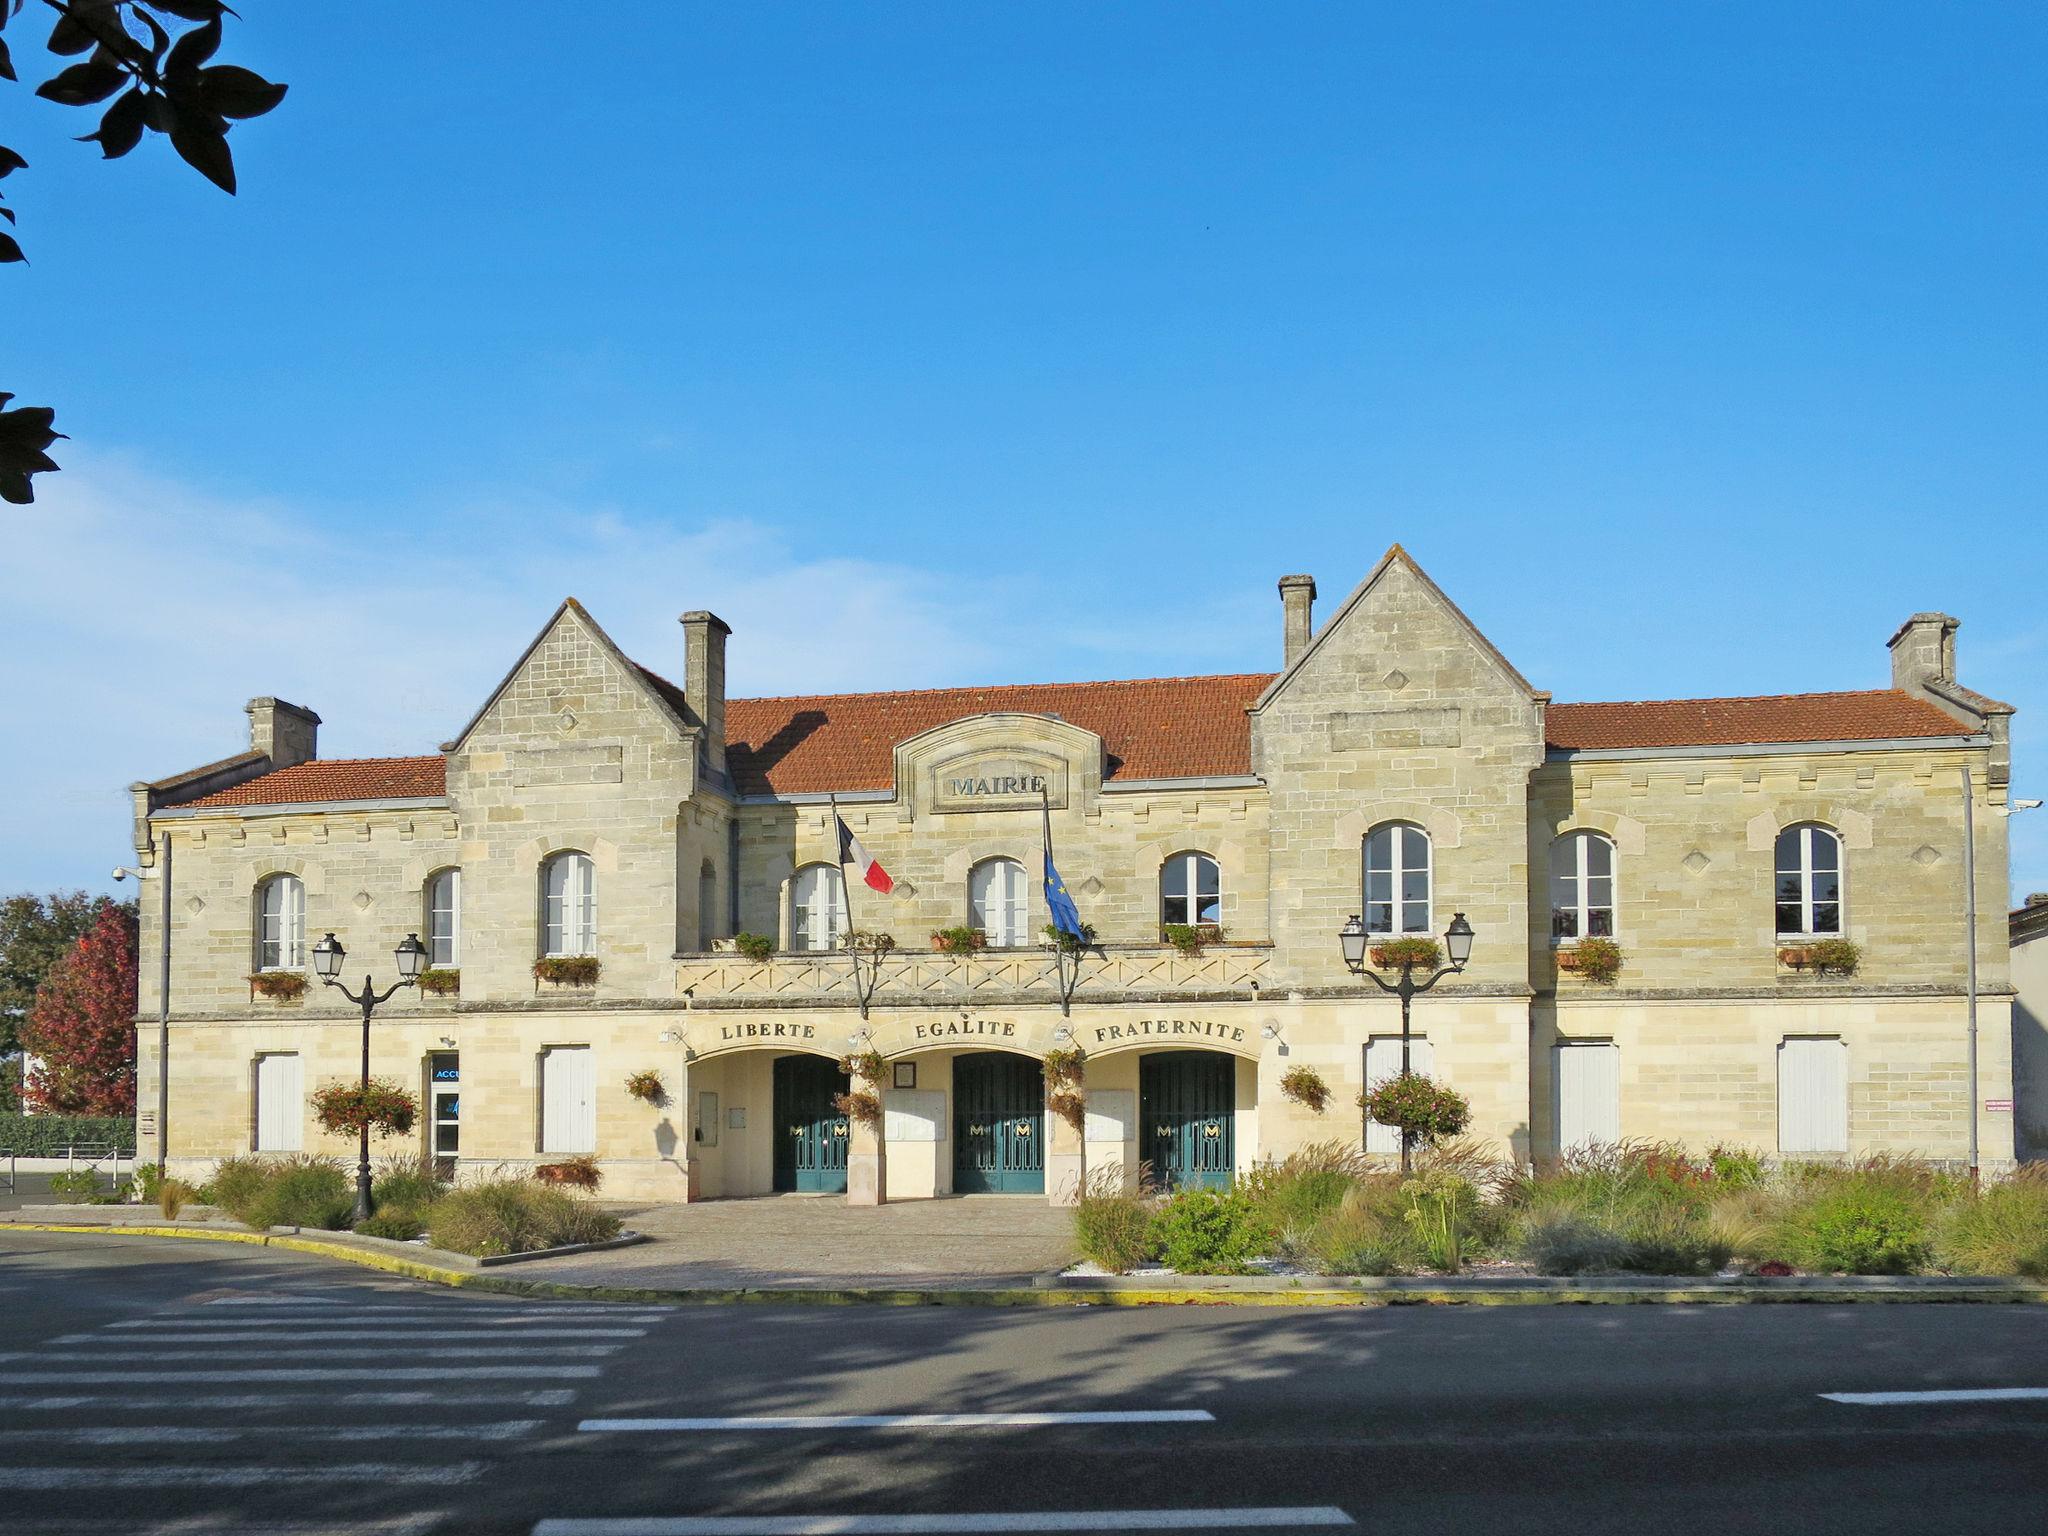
839, 859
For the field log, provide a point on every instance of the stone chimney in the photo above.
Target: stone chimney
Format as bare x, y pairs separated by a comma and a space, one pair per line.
1924, 651
704, 680
1297, 599
284, 733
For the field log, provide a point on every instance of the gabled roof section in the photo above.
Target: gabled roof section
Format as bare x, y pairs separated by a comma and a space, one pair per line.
1396, 555
662, 694
1151, 728
339, 778
1877, 714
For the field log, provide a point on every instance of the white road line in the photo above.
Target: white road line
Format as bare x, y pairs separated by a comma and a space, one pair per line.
946, 1525
193, 1434
297, 1373
177, 1333
1952, 1395
547, 1397
444, 1308
47, 1479
418, 1318
199, 1349
906, 1420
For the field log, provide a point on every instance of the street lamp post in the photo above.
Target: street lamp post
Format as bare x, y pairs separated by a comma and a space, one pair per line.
1352, 940
328, 954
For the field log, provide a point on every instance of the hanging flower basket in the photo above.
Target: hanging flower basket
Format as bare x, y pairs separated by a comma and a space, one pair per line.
870, 1066
344, 1109
1306, 1087
1070, 1105
861, 1105
1392, 954
278, 986
1066, 1066
1417, 1106
647, 1087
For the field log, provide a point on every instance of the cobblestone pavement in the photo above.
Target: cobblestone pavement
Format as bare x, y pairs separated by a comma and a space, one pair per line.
810, 1241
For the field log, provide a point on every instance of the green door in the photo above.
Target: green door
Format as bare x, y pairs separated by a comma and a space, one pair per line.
1187, 1123
810, 1135
998, 1125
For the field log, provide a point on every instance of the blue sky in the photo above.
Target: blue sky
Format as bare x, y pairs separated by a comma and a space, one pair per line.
1690, 349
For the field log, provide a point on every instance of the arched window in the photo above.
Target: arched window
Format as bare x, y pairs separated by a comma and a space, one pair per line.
817, 907
1809, 884
1397, 879
1581, 886
1190, 890
444, 919
996, 904
281, 924
568, 905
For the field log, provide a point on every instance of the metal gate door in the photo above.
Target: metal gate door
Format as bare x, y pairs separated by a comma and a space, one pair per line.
998, 1125
810, 1135
1187, 1125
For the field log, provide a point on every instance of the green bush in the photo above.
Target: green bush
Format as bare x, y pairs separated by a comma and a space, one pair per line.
77, 1184
1442, 1212
297, 1191
1558, 1240
400, 1226
2003, 1231
514, 1216
1860, 1227
1112, 1225
1736, 1167
1642, 1206
1366, 1233
50, 1135
235, 1185
1293, 1194
1210, 1232
404, 1187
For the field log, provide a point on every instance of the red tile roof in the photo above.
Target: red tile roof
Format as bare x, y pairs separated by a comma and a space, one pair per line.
1152, 728
340, 778
1874, 715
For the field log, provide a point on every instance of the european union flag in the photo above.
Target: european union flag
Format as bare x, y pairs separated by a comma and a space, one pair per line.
1057, 902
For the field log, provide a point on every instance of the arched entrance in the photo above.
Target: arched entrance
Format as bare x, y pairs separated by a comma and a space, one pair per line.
1187, 1117
811, 1135
998, 1124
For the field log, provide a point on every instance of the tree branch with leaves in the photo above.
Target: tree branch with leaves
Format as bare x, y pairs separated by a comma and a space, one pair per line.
153, 80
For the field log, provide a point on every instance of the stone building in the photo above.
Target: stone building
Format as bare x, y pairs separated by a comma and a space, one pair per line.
1397, 768
2028, 926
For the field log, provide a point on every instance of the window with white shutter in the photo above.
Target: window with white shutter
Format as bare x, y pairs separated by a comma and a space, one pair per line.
280, 1103
568, 1111
1813, 1096
1586, 1078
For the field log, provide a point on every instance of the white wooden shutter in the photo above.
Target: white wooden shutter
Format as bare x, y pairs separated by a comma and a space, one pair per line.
568, 1118
280, 1103
1813, 1096
1382, 1061
1588, 1093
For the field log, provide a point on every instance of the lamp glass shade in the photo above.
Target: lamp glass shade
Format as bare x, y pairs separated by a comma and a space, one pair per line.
327, 957
1458, 940
1351, 939
412, 957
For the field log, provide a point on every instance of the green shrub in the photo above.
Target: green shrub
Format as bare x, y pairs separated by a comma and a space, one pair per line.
754, 946
1293, 1194
514, 1216
1735, 1167
77, 1184
400, 1226
1210, 1232
236, 1184
1365, 1233
1441, 1211
1644, 1206
1559, 1240
304, 1191
1858, 1226
404, 1186
51, 1135
1112, 1225
2003, 1231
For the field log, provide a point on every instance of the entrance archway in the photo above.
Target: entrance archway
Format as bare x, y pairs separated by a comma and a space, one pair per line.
811, 1135
1187, 1117
998, 1124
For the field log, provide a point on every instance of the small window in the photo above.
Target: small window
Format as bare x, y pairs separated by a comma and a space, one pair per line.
817, 908
444, 919
1809, 881
281, 924
1397, 879
996, 902
569, 905
568, 1093
280, 1103
1190, 890
1581, 887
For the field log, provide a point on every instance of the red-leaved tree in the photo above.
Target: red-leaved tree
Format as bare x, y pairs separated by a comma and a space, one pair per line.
81, 1029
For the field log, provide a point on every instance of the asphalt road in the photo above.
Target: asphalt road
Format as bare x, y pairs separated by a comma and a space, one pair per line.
157, 1387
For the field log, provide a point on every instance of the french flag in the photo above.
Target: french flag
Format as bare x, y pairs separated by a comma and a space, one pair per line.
851, 852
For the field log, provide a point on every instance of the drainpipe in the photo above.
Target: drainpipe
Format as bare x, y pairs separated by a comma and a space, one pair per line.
163, 1009
1970, 946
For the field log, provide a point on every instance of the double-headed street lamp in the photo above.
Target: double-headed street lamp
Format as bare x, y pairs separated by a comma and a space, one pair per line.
1354, 941
328, 954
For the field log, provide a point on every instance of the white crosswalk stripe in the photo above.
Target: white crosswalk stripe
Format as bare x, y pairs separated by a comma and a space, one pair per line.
317, 1401
954, 1525
200, 1334
393, 1473
199, 1349
207, 1434
299, 1373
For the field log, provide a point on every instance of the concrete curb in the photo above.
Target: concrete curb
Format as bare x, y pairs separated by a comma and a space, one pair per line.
1605, 1291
